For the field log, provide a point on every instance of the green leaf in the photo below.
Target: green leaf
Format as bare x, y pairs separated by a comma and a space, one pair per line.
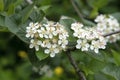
102, 76
97, 3
11, 9
41, 55
94, 13
37, 16
116, 15
11, 24
18, 2
34, 59
22, 32
88, 23
1, 5
2, 20
45, 8
112, 70
96, 65
116, 56
25, 13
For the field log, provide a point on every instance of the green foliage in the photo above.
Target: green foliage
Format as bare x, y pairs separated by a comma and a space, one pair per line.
41, 55
27, 11
116, 56
1, 5
15, 16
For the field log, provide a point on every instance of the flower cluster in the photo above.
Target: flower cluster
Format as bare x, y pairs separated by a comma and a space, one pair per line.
50, 35
88, 38
107, 24
53, 37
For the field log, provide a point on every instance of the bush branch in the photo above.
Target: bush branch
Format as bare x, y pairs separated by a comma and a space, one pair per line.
75, 66
109, 34
76, 9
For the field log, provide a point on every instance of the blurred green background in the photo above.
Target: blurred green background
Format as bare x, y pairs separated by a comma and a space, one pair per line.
14, 61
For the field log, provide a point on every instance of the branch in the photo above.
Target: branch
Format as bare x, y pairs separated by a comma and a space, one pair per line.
76, 9
109, 34
75, 66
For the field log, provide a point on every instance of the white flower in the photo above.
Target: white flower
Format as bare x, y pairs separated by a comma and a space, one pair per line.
98, 44
35, 43
100, 18
82, 44
76, 26
32, 30
88, 38
107, 24
50, 35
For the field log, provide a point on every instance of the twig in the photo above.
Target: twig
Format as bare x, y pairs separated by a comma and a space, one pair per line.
76, 9
75, 66
109, 34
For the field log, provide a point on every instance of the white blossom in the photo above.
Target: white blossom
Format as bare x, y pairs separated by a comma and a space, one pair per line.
88, 38
35, 43
50, 35
107, 24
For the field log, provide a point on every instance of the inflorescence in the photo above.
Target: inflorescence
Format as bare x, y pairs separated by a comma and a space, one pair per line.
51, 36
54, 38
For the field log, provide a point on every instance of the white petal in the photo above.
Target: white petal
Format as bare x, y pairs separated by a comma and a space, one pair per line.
96, 50
39, 42
56, 50
27, 35
52, 55
48, 45
79, 41
63, 46
36, 47
41, 35
50, 36
47, 51
78, 46
59, 42
46, 36
91, 47
31, 45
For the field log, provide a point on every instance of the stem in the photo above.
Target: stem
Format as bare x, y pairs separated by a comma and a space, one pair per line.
75, 66
109, 34
76, 9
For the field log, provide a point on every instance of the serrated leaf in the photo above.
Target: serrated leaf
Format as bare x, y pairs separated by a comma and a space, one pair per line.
22, 32
41, 55
97, 3
11, 9
26, 12
2, 20
96, 65
88, 23
116, 56
112, 70
18, 2
1, 5
45, 8
37, 16
34, 59
11, 24
94, 13
116, 15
